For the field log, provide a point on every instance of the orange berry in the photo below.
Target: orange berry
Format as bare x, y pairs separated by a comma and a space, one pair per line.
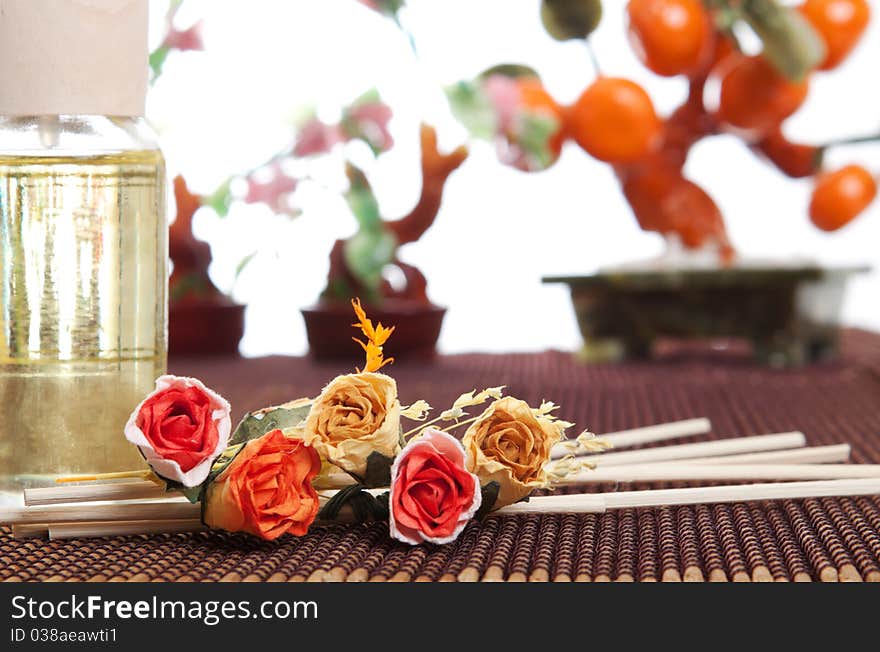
671, 37
840, 23
756, 97
614, 120
840, 196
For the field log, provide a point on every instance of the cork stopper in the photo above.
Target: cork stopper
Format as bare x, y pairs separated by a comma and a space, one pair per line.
83, 57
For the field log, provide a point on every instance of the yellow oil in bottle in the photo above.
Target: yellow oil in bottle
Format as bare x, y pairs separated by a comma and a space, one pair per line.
83, 251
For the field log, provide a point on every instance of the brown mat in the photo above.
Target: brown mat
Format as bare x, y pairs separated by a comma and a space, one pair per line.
825, 539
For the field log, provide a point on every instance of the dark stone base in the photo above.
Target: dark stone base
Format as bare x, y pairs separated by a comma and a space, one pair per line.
789, 315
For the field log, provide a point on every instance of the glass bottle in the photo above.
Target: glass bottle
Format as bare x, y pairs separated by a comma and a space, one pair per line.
83, 275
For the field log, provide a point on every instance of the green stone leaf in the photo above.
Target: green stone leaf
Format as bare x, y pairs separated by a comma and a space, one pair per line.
367, 253
391, 7
157, 60
190, 285
220, 199
512, 70
535, 133
256, 424
472, 108
368, 97
361, 200
791, 44
244, 262
570, 19
490, 497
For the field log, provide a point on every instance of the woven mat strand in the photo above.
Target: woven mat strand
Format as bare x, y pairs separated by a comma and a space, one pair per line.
821, 539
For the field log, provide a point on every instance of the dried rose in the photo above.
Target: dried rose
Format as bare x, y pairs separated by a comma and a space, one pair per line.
433, 495
510, 444
180, 428
266, 490
355, 415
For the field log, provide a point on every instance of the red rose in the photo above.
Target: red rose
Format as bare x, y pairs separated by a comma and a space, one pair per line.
267, 489
433, 495
180, 428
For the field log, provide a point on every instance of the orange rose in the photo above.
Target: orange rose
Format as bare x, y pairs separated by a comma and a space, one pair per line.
266, 490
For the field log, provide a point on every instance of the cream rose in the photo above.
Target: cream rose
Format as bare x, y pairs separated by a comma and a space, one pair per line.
510, 445
355, 415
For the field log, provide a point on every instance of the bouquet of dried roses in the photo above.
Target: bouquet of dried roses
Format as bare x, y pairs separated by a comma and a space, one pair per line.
346, 454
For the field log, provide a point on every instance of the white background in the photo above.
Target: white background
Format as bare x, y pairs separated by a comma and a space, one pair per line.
266, 61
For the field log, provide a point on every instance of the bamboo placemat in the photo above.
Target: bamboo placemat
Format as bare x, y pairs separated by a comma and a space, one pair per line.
817, 539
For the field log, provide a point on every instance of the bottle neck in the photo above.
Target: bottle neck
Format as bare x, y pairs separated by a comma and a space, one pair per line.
51, 135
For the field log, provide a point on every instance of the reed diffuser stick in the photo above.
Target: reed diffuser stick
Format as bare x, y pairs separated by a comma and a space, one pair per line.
97, 491
598, 502
30, 530
645, 435
111, 528
165, 510
684, 472
832, 454
701, 449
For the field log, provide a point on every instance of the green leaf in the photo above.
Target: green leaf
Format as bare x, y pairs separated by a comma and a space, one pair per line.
388, 7
473, 109
373, 247
369, 97
338, 288
535, 132
361, 199
791, 44
190, 285
512, 70
221, 199
570, 19
256, 424
244, 262
367, 253
219, 466
490, 496
253, 426
193, 494
223, 460
157, 60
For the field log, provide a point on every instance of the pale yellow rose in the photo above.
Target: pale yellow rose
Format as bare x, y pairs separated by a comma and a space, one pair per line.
509, 444
355, 415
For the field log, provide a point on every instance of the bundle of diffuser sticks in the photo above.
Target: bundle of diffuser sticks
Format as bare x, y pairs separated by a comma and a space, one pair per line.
771, 467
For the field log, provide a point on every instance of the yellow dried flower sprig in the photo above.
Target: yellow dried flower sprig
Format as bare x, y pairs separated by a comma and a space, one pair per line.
376, 338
